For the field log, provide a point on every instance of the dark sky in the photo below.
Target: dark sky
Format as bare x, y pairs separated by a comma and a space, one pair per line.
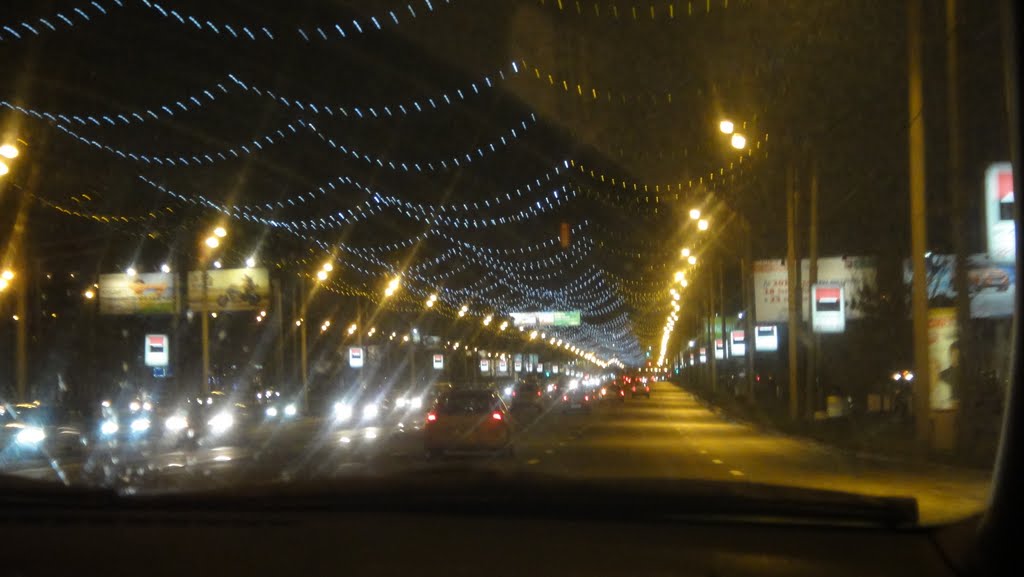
814, 81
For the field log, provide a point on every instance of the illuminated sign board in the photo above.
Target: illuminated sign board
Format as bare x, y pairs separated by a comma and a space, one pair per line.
1002, 234
547, 319
355, 357
766, 338
719, 349
438, 362
139, 294
502, 365
157, 351
829, 312
737, 343
485, 365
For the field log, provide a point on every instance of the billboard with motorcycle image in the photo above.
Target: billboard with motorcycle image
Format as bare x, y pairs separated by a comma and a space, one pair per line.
233, 289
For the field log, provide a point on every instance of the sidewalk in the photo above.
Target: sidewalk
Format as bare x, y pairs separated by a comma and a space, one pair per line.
876, 436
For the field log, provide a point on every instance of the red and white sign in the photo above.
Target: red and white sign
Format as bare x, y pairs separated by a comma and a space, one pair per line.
439, 362
502, 365
157, 351
703, 355
485, 365
1002, 233
858, 275
518, 363
737, 343
355, 357
719, 349
829, 313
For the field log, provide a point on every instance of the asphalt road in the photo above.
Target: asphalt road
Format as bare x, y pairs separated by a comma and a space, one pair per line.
670, 435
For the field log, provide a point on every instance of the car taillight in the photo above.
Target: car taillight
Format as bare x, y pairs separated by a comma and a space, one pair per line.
496, 416
431, 417
565, 397
586, 397
538, 393
622, 393
634, 389
513, 393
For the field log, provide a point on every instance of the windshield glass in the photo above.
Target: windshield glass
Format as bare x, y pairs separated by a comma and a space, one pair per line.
747, 241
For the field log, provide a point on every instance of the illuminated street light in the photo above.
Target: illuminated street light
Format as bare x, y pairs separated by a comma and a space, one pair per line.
533, 335
726, 126
680, 277
352, 328
463, 310
685, 252
393, 285
738, 141
220, 232
89, 294
212, 242
131, 271
694, 213
328, 267
487, 320
7, 275
371, 332
703, 224
250, 262
503, 325
9, 151
692, 259
165, 268
217, 264
321, 275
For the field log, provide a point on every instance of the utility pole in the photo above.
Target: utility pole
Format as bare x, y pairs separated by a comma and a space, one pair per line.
303, 310
918, 224
711, 329
793, 282
204, 385
277, 287
811, 386
748, 308
721, 307
966, 375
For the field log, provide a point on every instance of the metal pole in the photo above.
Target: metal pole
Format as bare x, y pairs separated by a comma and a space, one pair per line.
204, 385
918, 224
748, 307
21, 365
711, 329
793, 281
279, 322
811, 387
302, 341
721, 308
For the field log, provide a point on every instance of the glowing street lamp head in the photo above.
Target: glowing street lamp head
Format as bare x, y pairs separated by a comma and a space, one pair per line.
685, 252
220, 232
9, 151
739, 142
321, 275
692, 259
131, 271
250, 262
726, 126
328, 267
89, 294
679, 276
7, 275
703, 224
212, 242
694, 213
165, 268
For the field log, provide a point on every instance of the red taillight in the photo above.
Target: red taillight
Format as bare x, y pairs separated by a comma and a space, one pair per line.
513, 393
538, 393
565, 397
496, 416
634, 389
622, 393
586, 397
431, 417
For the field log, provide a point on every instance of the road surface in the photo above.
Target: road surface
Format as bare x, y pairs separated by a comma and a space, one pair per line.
670, 435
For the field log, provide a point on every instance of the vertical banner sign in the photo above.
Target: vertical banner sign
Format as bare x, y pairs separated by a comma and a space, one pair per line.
766, 338
554, 369
829, 312
485, 365
737, 343
518, 363
719, 349
1002, 234
156, 354
540, 367
703, 355
693, 360
438, 361
502, 366
943, 358
355, 357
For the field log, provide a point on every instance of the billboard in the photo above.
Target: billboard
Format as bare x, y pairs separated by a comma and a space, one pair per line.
943, 358
991, 285
230, 289
438, 361
157, 350
828, 315
737, 343
766, 338
140, 294
857, 275
547, 319
1002, 234
355, 357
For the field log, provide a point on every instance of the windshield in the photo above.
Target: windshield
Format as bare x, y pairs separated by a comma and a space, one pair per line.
235, 236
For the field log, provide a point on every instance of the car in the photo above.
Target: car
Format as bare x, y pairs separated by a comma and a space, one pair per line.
274, 408
640, 387
612, 392
37, 431
468, 420
360, 405
527, 395
577, 400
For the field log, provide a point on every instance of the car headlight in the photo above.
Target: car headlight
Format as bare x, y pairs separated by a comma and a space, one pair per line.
370, 411
290, 410
416, 403
30, 436
221, 422
271, 412
147, 406
342, 411
134, 406
401, 402
508, 391
140, 425
175, 423
109, 427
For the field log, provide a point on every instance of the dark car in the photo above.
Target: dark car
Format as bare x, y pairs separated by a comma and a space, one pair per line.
527, 395
612, 392
640, 387
578, 399
34, 430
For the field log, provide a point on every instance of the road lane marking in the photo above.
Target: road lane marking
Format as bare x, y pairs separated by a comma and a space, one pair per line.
736, 473
716, 461
703, 451
533, 461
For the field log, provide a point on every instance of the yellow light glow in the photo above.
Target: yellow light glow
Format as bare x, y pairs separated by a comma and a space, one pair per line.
9, 151
703, 224
726, 126
89, 294
739, 142
694, 213
212, 242
321, 275
685, 252
328, 267
691, 260
4, 169
7, 275
679, 276
430, 304
220, 232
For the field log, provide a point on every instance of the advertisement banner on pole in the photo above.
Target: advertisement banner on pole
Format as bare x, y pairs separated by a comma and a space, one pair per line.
230, 289
991, 285
719, 349
737, 343
540, 367
546, 319
355, 357
485, 365
766, 338
157, 352
703, 355
140, 294
829, 314
857, 275
943, 358
1002, 233
518, 363
502, 366
438, 361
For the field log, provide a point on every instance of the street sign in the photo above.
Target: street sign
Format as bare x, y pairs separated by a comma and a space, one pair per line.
737, 343
355, 357
540, 367
829, 313
157, 351
438, 361
703, 355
